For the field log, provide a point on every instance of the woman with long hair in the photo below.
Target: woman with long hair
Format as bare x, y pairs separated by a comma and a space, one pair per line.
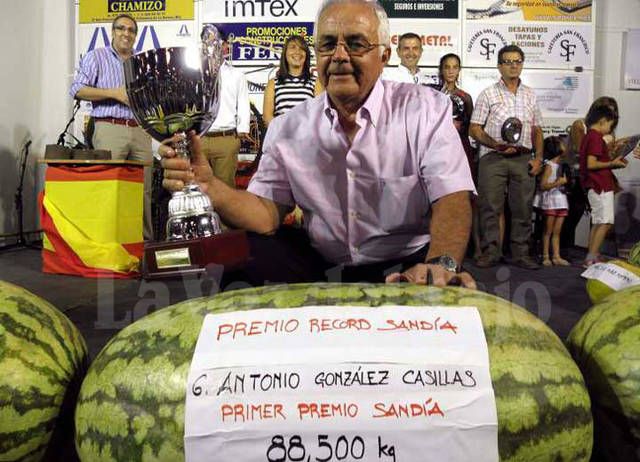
294, 81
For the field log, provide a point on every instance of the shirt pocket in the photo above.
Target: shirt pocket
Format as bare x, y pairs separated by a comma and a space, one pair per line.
402, 204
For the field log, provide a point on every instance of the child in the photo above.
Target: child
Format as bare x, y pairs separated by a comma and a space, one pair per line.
553, 200
597, 178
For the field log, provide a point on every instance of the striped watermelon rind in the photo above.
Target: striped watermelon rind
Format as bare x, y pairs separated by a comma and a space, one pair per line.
131, 406
606, 346
42, 354
634, 254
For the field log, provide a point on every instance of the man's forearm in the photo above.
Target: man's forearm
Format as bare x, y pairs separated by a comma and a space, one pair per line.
450, 226
242, 209
95, 94
538, 142
478, 134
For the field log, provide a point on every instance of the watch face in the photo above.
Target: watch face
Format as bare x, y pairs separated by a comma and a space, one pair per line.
448, 263
445, 261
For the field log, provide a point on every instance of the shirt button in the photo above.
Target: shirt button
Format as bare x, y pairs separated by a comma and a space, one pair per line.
351, 174
354, 214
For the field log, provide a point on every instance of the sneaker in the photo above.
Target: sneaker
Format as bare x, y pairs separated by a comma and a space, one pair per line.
526, 262
487, 261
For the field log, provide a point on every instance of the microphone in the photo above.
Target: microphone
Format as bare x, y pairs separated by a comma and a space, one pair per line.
27, 144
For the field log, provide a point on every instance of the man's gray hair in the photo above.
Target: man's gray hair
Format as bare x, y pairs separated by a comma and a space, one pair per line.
384, 34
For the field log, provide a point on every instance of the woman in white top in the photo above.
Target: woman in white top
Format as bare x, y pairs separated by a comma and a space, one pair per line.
294, 81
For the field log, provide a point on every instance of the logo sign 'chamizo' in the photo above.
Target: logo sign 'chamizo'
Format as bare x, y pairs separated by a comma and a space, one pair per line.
120, 6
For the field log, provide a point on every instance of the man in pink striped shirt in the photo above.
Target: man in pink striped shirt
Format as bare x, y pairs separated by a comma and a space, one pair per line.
376, 166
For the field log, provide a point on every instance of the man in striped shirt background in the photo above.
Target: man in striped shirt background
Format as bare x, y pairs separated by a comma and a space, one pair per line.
100, 79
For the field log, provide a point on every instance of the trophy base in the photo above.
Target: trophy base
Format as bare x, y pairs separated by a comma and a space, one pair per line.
178, 258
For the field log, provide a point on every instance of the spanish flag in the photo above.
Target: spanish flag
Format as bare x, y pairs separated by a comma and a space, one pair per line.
92, 220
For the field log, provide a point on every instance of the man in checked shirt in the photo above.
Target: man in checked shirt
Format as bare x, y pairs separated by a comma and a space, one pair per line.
100, 79
502, 165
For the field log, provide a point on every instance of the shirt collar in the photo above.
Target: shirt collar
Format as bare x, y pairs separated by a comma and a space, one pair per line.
115, 53
504, 85
407, 70
370, 109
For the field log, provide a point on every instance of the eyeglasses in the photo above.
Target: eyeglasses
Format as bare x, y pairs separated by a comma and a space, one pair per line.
354, 46
512, 62
122, 28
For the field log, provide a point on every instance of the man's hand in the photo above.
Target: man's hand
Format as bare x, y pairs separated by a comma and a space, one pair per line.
535, 166
120, 95
506, 149
180, 170
244, 136
432, 275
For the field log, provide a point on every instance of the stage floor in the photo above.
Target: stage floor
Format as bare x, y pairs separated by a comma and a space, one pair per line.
101, 307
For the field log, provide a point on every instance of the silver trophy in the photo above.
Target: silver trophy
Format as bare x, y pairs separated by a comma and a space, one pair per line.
511, 130
174, 91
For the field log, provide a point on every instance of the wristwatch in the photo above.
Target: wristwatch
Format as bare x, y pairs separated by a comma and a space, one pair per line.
446, 261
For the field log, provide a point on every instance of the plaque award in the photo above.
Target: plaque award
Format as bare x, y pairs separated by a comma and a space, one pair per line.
511, 130
174, 91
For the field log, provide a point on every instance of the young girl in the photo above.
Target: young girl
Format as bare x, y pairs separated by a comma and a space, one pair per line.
552, 199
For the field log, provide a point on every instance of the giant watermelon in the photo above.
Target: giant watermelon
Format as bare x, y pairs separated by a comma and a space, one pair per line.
131, 406
42, 358
606, 345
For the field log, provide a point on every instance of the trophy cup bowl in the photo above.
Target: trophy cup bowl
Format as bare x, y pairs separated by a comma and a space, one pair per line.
174, 91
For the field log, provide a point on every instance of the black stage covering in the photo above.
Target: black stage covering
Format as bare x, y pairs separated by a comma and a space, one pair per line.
101, 307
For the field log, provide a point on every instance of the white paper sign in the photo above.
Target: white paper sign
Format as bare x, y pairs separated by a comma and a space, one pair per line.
341, 383
611, 275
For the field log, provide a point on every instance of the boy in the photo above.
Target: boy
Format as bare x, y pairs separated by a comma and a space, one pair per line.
597, 178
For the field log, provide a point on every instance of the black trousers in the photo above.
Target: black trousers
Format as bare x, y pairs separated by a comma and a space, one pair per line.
288, 257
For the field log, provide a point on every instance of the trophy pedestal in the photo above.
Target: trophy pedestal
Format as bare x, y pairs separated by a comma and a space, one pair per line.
177, 258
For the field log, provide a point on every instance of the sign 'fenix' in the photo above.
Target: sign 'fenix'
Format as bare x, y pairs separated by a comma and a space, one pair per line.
275, 8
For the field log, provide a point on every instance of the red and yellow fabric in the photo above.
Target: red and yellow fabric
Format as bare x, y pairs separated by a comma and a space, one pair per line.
92, 220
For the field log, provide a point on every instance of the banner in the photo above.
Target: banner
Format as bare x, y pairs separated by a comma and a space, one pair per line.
261, 43
150, 35
438, 39
427, 9
529, 10
544, 45
92, 11
257, 11
559, 94
631, 61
